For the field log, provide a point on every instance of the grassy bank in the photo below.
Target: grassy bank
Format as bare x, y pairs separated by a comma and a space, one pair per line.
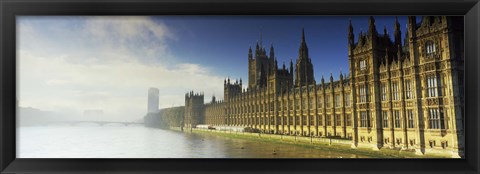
318, 143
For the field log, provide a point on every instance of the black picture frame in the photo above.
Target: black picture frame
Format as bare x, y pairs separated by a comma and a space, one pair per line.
11, 8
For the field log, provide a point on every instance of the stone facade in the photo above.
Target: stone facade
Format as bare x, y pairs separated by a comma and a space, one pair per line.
406, 96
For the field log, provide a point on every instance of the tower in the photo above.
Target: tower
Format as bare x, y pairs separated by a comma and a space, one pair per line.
364, 58
152, 100
304, 67
194, 109
258, 67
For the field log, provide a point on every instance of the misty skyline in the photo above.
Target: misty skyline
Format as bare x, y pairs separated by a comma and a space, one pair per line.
71, 64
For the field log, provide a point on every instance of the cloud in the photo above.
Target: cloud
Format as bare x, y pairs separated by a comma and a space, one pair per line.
103, 63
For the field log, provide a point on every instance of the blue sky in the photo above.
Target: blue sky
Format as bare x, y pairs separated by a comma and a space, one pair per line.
222, 42
74, 63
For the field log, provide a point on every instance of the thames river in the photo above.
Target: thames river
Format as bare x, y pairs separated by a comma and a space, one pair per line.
93, 141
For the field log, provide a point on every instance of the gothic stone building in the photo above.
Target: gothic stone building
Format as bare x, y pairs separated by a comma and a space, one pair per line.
406, 96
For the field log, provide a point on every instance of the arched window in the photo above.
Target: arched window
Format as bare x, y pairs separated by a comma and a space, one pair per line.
362, 64
430, 47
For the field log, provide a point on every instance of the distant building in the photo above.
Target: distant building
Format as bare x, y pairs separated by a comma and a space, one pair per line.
395, 96
153, 100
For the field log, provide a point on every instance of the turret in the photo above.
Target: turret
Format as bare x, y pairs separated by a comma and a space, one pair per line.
397, 33
351, 36
341, 78
372, 30
331, 78
386, 36
323, 81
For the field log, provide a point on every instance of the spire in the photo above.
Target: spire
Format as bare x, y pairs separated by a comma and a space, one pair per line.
386, 36
351, 36
303, 50
331, 77
276, 65
250, 53
397, 33
323, 80
283, 65
303, 35
371, 26
272, 51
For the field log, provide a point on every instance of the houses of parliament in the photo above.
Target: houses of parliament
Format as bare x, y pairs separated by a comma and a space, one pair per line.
404, 96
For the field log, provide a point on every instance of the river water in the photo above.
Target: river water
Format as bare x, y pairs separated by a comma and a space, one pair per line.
140, 142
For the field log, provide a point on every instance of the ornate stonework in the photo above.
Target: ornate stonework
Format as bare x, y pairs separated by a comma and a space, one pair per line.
406, 96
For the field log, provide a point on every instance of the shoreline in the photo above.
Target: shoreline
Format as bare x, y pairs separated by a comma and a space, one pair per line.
328, 144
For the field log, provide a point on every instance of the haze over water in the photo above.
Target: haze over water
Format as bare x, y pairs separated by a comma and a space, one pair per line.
115, 141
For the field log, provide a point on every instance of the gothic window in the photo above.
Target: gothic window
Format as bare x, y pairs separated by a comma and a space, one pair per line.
312, 120
432, 86
411, 122
297, 104
297, 120
430, 48
347, 99
408, 89
435, 119
385, 119
363, 94
329, 120
396, 114
304, 120
337, 100
384, 92
320, 120
328, 101
364, 120
349, 119
310, 104
395, 90
338, 120
304, 104
363, 64
319, 103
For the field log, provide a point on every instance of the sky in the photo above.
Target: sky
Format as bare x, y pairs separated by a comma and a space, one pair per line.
70, 64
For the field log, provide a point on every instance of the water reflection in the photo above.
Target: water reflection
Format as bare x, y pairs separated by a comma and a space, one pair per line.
140, 142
